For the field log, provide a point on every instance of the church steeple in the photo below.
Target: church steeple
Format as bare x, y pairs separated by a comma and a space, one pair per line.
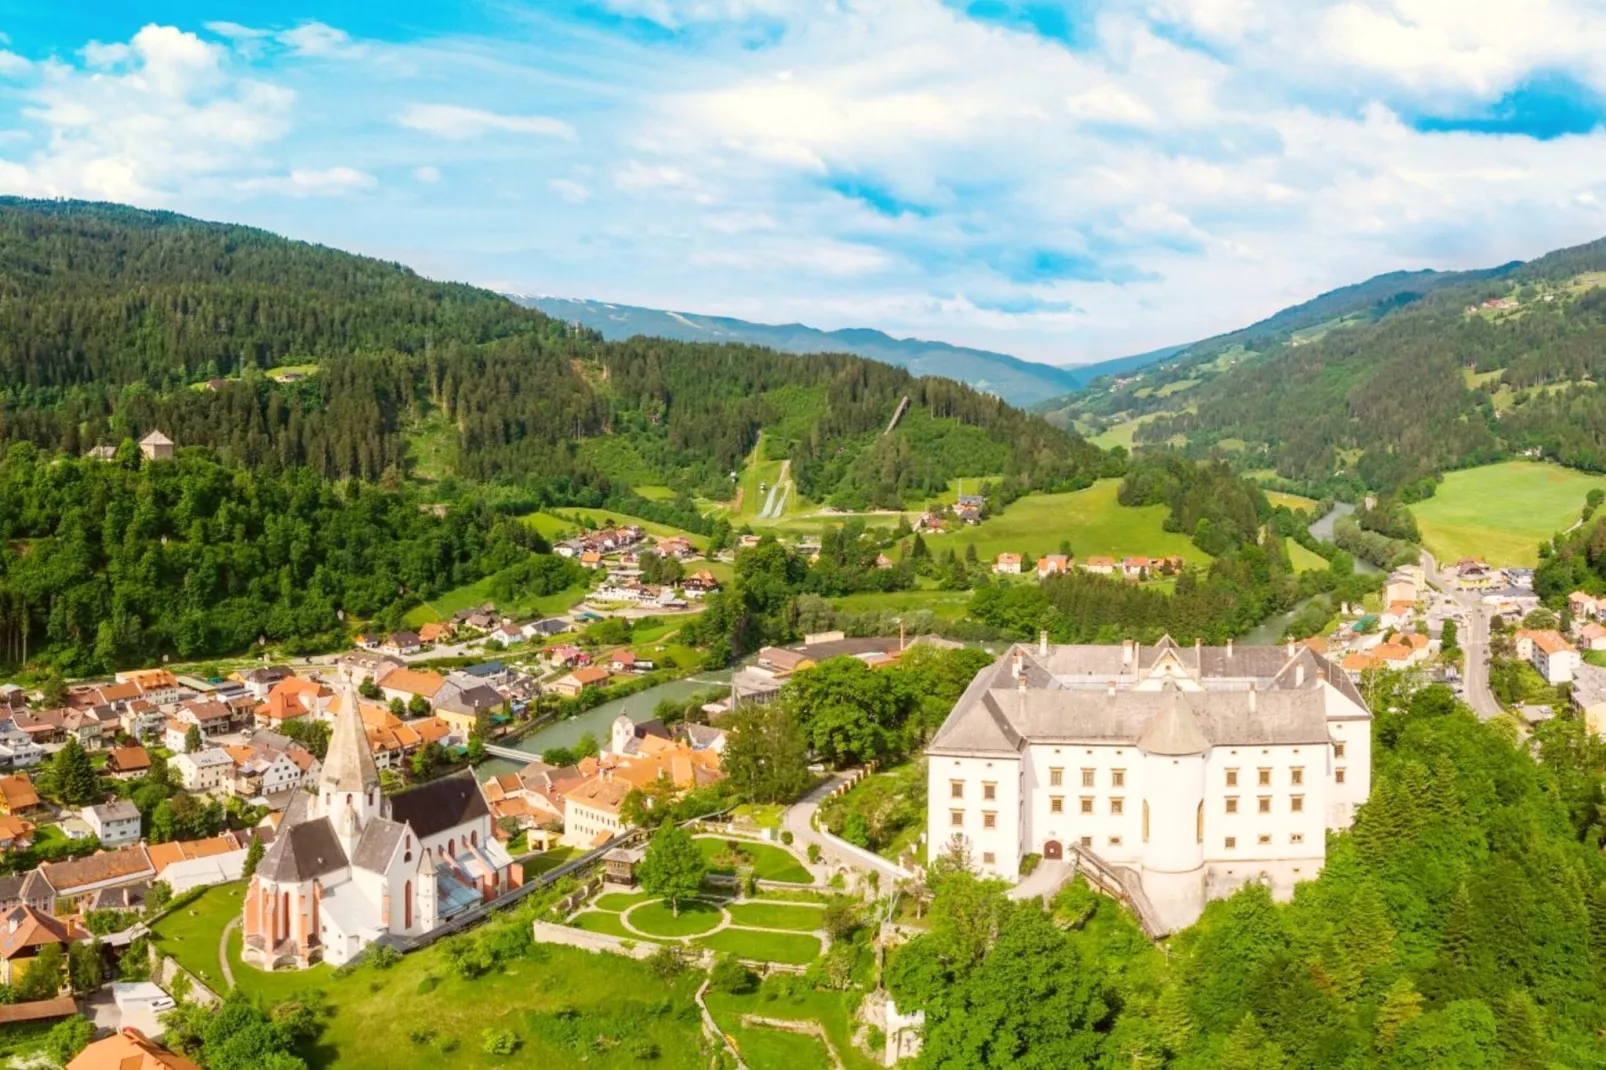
348, 787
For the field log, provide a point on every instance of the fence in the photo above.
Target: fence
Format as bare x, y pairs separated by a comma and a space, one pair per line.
1121, 884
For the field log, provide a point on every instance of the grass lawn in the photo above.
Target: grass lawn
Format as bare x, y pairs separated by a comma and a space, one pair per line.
761, 815
550, 527
944, 605
792, 949
1292, 501
770, 863
651, 527
776, 1049
620, 900
276, 987
1092, 520
1501, 512
190, 934
548, 860
478, 593
28, 1039
832, 1009
604, 921
1303, 560
695, 917
568, 1008
655, 492
776, 916
1121, 434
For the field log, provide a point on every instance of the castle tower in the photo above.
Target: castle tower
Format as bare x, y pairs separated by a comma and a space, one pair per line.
1175, 751
348, 787
428, 907
624, 733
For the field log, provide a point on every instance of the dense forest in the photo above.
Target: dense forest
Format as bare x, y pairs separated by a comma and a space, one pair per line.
1461, 923
114, 322
109, 564
1434, 374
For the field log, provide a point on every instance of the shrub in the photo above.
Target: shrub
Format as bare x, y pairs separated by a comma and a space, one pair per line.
643, 1049
383, 956
731, 977
427, 985
421, 1036
840, 917
814, 854
875, 1039
668, 961
500, 1042
786, 837
1029, 863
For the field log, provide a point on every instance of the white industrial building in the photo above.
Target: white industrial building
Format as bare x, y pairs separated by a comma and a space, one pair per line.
1197, 769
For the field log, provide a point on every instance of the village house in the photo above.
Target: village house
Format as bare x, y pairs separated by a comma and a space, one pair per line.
115, 824
572, 684
212, 717
1584, 606
407, 684
141, 719
1402, 586
128, 763
17, 795
16, 833
261, 770
1592, 636
566, 655
24, 932
1549, 653
128, 1050
1053, 565
436, 632
175, 734
1099, 565
62, 883
1135, 568
699, 583
368, 640
208, 769
591, 811
1007, 565
259, 682
157, 686
156, 447
463, 701
402, 644
624, 660
1475, 575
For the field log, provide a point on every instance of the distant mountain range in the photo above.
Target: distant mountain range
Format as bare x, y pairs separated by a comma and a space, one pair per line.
1020, 382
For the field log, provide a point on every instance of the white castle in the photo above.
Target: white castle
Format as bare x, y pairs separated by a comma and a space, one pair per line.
1196, 769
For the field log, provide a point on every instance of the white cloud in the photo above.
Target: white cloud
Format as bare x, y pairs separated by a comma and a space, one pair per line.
427, 175
451, 121
305, 182
571, 191
318, 39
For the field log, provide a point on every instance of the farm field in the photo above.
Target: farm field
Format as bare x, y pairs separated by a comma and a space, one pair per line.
1092, 520
1121, 434
1303, 560
479, 593
1501, 512
1291, 501
944, 605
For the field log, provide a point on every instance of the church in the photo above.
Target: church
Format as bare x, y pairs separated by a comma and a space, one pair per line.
350, 865
1187, 770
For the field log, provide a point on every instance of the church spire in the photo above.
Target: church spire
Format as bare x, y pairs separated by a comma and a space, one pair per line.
349, 765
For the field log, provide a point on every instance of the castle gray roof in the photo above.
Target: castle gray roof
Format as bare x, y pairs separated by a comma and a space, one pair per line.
303, 851
439, 805
1191, 699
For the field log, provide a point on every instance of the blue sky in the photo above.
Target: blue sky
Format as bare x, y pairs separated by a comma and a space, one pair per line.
1066, 180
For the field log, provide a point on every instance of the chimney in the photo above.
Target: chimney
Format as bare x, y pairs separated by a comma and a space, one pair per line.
1023, 684
1229, 648
1198, 654
900, 635
1126, 652
1291, 648
1251, 696
1299, 675
1042, 643
1016, 662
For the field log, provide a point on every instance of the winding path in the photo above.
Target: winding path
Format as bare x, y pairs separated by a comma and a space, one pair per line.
223, 953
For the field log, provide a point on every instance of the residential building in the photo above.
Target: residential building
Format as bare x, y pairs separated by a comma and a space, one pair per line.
1474, 575
156, 447
24, 932
157, 686
1099, 565
1549, 653
402, 644
1007, 565
262, 770
1584, 606
1136, 568
1592, 636
408, 684
205, 770
128, 763
463, 701
572, 684
258, 683
1195, 770
1053, 565
436, 632
16, 833
591, 811
17, 795
350, 865
212, 717
60, 884
116, 824
1589, 697
128, 1050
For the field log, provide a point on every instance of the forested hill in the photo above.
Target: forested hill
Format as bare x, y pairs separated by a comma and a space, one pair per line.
116, 321
1488, 366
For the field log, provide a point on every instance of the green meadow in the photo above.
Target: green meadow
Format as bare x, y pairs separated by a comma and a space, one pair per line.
1502, 512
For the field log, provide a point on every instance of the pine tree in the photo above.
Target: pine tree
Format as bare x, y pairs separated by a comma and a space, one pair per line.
1597, 925
673, 868
1173, 1018
1520, 1032
1247, 1048
1402, 1004
74, 775
192, 740
253, 856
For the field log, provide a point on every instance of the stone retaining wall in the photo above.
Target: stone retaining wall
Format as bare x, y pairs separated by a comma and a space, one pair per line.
547, 932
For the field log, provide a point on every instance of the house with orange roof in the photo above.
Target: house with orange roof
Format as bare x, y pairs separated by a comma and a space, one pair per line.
128, 763
437, 631
1592, 636
156, 685
591, 559
16, 833
572, 684
1099, 565
1007, 565
17, 795
1548, 652
1585, 606
1135, 568
24, 932
1053, 565
591, 810
128, 1050
290, 699
407, 684
1355, 663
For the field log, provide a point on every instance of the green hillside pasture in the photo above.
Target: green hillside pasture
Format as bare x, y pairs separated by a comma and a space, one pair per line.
551, 528
944, 605
1093, 521
1121, 434
1303, 560
478, 593
651, 527
1501, 512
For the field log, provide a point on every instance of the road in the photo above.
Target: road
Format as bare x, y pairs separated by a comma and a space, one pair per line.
799, 821
1475, 643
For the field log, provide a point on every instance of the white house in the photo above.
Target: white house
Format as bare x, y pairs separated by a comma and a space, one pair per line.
591, 811
1547, 651
208, 769
1194, 769
1007, 565
115, 823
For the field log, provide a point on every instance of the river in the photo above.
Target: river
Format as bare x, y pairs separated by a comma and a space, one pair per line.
1270, 631
599, 720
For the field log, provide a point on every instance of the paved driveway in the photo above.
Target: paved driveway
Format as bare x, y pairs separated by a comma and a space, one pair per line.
1475, 643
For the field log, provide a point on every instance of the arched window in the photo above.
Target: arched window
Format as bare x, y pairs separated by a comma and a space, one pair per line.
1145, 821
474, 837
451, 848
407, 908
284, 916
1198, 824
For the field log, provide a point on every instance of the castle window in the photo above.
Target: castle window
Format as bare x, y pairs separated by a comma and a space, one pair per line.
989, 820
1232, 804
1265, 804
956, 818
1338, 748
1145, 821
988, 858
1265, 778
1087, 778
1056, 777
1198, 820
1296, 803
1232, 778
1087, 806
956, 789
1115, 806
1115, 841
989, 792
1296, 837
1296, 775
1086, 841
1338, 776
1056, 804
1117, 778
1263, 840
1230, 842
